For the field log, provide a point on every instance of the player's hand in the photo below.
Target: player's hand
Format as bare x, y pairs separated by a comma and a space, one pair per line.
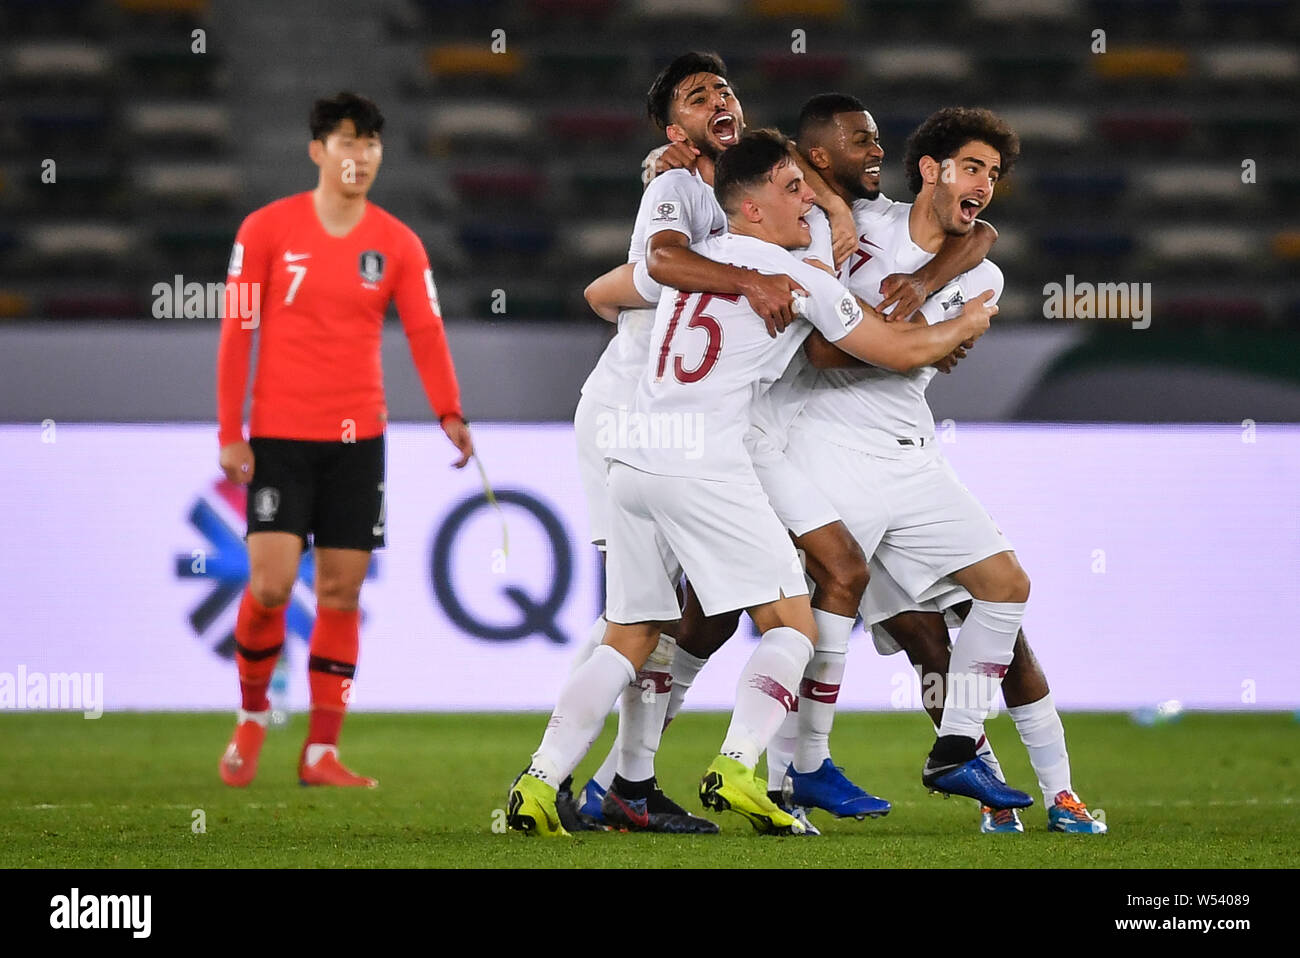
844, 233
946, 364
237, 462
904, 293
772, 298
458, 432
977, 312
678, 156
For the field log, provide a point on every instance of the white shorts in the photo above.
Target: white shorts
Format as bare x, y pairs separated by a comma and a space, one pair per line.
910, 512
885, 599
796, 501
592, 466
723, 535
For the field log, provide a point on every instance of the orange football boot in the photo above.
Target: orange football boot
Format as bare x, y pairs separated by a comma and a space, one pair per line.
330, 771
239, 763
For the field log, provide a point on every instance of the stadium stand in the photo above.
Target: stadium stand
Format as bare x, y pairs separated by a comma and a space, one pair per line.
519, 166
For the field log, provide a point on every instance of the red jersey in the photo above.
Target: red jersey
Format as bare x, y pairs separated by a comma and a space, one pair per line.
322, 303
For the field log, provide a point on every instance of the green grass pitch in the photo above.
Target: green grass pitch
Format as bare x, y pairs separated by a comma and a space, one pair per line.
1209, 791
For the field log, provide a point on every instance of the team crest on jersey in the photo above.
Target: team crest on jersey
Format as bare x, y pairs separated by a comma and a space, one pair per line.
954, 300
666, 212
372, 266
266, 503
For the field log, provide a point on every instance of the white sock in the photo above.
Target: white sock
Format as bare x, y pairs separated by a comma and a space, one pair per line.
780, 751
984, 750
580, 713
262, 718
979, 660
765, 692
685, 668
604, 776
819, 690
595, 636
641, 718
316, 751
1041, 730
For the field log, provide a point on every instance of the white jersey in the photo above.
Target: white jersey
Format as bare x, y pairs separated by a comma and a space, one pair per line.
871, 409
710, 357
676, 200
776, 409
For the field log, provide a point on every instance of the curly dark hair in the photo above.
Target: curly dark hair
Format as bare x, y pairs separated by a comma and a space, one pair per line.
945, 132
747, 164
328, 113
660, 98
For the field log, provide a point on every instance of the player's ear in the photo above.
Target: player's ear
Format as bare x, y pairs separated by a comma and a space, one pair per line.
676, 134
819, 158
316, 150
749, 209
929, 168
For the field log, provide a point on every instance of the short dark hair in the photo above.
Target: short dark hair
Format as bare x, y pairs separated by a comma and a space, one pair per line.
747, 164
660, 98
945, 132
821, 109
327, 113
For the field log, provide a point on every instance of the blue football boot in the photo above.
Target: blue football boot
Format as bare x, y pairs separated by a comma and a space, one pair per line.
829, 788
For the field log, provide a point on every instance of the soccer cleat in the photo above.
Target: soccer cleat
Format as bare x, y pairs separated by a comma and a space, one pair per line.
238, 764
797, 811
996, 821
571, 816
828, 788
658, 813
592, 796
531, 808
328, 770
730, 786
1068, 814
975, 780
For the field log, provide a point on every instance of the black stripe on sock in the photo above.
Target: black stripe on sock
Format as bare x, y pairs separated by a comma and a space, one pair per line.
318, 663
256, 655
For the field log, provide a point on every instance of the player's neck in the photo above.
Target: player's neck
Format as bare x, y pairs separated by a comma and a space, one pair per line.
753, 230
338, 214
923, 225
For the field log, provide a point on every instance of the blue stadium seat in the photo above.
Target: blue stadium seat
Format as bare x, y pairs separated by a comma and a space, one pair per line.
488, 239
1096, 243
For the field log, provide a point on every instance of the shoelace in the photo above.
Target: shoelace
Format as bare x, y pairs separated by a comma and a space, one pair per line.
1072, 804
1004, 816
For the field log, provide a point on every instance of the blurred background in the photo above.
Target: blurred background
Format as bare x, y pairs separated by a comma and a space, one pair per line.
515, 132
1159, 145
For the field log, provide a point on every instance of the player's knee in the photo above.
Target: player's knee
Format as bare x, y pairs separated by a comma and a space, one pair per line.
269, 591
1016, 586
338, 594
846, 577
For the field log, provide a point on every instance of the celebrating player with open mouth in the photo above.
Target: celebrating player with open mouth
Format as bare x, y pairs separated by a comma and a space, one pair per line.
323, 265
707, 515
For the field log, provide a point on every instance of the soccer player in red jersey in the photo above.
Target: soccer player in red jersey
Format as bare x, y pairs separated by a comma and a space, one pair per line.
322, 267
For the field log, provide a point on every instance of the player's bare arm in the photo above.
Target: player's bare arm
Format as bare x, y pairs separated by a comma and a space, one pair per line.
902, 348
671, 262
905, 292
613, 292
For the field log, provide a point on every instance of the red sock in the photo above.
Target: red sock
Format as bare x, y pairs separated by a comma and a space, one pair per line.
333, 662
259, 637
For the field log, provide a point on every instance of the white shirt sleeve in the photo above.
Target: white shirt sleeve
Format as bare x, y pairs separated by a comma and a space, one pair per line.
829, 306
671, 206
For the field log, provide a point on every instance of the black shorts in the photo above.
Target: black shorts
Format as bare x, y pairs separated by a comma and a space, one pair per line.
332, 491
